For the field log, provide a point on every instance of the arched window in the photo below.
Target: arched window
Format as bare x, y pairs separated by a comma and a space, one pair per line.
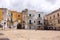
58, 14
38, 15
38, 22
30, 22
30, 15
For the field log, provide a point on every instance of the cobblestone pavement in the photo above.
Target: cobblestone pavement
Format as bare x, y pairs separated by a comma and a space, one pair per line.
30, 35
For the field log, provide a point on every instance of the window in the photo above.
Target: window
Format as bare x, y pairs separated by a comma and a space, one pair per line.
30, 22
50, 17
38, 15
58, 21
23, 21
30, 15
58, 14
53, 16
38, 22
18, 15
34, 21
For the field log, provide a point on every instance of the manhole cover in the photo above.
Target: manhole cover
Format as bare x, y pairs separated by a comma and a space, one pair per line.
4, 39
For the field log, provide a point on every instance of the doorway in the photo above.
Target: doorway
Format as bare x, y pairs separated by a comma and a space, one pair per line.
19, 26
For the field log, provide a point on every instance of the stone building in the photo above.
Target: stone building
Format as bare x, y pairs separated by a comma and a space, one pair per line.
53, 20
35, 20
15, 18
31, 19
19, 19
39, 20
3, 17
25, 19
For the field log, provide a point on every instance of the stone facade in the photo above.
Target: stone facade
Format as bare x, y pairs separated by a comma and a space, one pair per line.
34, 20
25, 19
28, 19
39, 20
53, 19
16, 17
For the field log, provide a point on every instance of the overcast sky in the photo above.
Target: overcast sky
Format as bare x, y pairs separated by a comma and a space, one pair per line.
39, 5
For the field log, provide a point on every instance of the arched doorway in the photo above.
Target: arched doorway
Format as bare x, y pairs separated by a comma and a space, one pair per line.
38, 28
19, 26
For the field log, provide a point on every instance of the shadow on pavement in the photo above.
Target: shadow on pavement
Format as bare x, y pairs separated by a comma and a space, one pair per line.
4, 39
1, 34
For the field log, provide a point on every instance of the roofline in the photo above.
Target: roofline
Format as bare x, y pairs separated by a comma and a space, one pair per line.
53, 12
3, 8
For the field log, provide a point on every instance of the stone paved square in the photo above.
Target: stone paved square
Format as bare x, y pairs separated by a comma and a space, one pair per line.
30, 34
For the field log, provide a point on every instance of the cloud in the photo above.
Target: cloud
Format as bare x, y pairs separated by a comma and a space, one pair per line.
39, 5
51, 1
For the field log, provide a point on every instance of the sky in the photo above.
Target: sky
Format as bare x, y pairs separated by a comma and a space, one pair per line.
38, 5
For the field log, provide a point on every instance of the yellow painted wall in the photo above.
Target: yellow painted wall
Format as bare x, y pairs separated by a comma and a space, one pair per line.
0, 14
19, 17
15, 16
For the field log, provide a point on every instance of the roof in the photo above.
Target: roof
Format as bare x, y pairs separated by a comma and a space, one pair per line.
53, 12
3, 8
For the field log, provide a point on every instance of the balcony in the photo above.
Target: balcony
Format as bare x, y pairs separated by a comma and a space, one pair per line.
39, 24
39, 17
31, 16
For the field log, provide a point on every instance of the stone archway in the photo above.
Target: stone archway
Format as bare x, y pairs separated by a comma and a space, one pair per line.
19, 26
38, 27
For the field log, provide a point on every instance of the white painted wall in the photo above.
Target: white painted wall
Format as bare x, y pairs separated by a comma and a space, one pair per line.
34, 17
